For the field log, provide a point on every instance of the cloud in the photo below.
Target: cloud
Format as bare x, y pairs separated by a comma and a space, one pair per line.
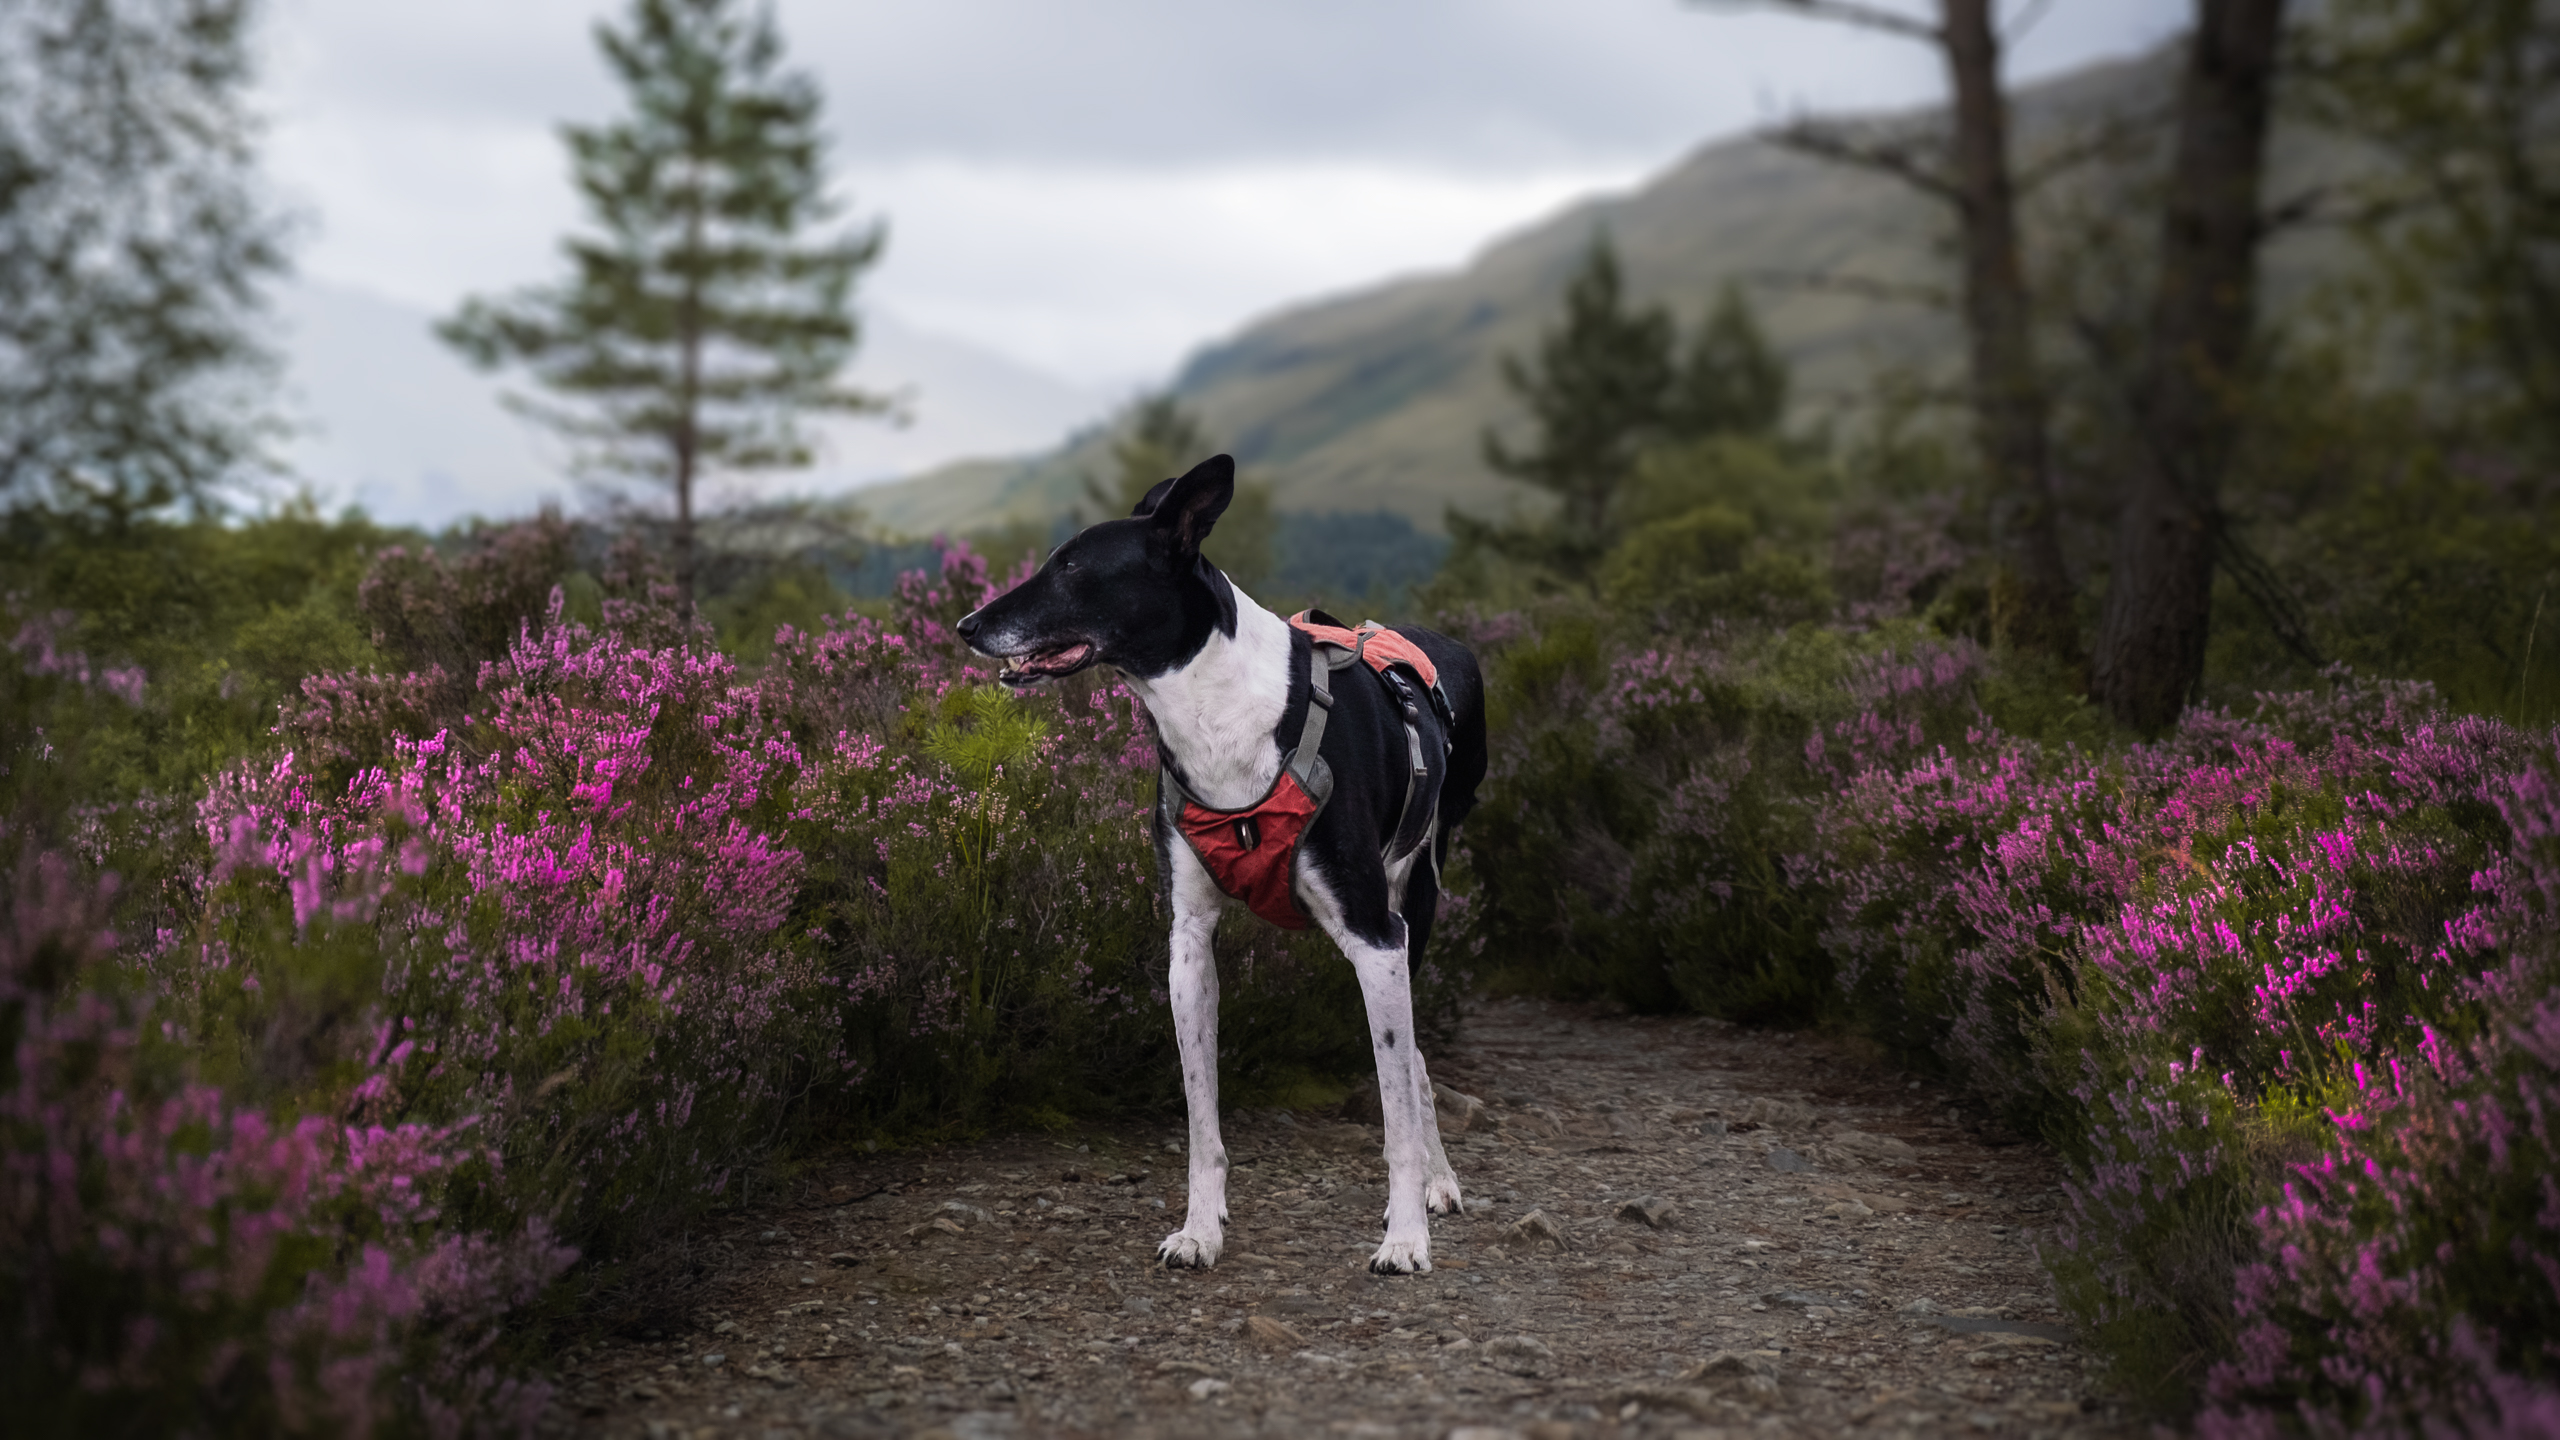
1116, 273
1085, 192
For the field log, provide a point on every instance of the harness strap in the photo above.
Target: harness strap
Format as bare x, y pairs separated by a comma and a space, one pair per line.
1298, 794
1302, 760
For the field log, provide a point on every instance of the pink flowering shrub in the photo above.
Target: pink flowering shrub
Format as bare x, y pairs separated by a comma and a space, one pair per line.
2276, 984
172, 1262
553, 934
577, 906
2407, 1279
638, 911
1670, 789
2173, 958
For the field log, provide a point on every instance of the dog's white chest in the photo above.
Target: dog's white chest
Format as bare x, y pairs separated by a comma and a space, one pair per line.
1217, 713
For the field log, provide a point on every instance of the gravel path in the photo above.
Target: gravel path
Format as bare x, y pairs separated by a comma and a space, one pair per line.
1674, 1228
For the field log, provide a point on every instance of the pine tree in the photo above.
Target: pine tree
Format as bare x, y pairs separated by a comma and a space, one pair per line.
1161, 438
1732, 383
1598, 394
132, 251
704, 320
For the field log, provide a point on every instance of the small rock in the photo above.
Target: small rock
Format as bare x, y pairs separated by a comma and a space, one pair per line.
938, 1225
1138, 1305
1277, 1334
1922, 1306
1485, 1432
1682, 1399
1542, 1121
1322, 1363
844, 1259
1788, 1162
1745, 1374
1519, 1354
1535, 1228
644, 1391
1457, 1112
1870, 1147
714, 1358
1798, 1299
1779, 1114
725, 1327
967, 1213
1848, 1210
1207, 1389
1652, 1211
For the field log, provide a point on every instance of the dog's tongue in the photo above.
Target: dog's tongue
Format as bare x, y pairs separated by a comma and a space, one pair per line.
1047, 662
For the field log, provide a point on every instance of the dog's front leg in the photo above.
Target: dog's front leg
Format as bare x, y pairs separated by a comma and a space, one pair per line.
1193, 985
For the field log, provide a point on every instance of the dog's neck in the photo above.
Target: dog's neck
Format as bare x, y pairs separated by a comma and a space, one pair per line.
1217, 713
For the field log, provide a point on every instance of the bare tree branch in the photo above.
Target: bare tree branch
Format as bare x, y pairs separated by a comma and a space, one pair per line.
1902, 157
2024, 21
2258, 580
2304, 209
1846, 12
2109, 137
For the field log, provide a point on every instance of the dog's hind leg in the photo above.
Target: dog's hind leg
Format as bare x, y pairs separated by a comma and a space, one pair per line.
1419, 904
1375, 946
1192, 984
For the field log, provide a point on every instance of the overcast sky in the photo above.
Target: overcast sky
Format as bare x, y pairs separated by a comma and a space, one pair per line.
1092, 189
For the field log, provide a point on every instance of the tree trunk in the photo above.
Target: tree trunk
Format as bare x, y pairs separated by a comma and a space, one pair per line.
2031, 596
688, 436
2151, 639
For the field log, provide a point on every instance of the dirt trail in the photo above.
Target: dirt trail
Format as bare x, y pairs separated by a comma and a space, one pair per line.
1674, 1228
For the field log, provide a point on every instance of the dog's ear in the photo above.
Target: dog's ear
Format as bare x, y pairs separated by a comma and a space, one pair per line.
1190, 505
1148, 502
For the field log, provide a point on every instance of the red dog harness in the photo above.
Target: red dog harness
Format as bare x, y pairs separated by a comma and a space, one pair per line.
1252, 852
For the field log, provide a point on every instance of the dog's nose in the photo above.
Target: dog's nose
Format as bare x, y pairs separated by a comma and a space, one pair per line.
969, 626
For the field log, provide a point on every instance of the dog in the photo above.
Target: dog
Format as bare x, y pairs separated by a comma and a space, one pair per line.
1231, 688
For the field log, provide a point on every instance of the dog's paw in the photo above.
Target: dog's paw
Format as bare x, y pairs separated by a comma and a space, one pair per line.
1402, 1257
1183, 1250
1441, 1196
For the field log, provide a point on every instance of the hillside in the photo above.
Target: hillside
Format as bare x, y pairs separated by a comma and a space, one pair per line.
1376, 398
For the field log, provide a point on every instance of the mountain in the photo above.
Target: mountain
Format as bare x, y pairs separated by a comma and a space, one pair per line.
1375, 399
390, 418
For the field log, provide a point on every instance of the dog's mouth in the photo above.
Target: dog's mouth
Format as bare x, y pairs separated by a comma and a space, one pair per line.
1033, 666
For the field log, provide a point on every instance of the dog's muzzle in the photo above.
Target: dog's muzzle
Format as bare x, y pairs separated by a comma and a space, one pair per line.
1034, 666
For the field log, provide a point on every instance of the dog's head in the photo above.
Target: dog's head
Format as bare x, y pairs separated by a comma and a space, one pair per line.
1133, 594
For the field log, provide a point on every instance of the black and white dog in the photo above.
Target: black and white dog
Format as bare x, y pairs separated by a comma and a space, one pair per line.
1227, 684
